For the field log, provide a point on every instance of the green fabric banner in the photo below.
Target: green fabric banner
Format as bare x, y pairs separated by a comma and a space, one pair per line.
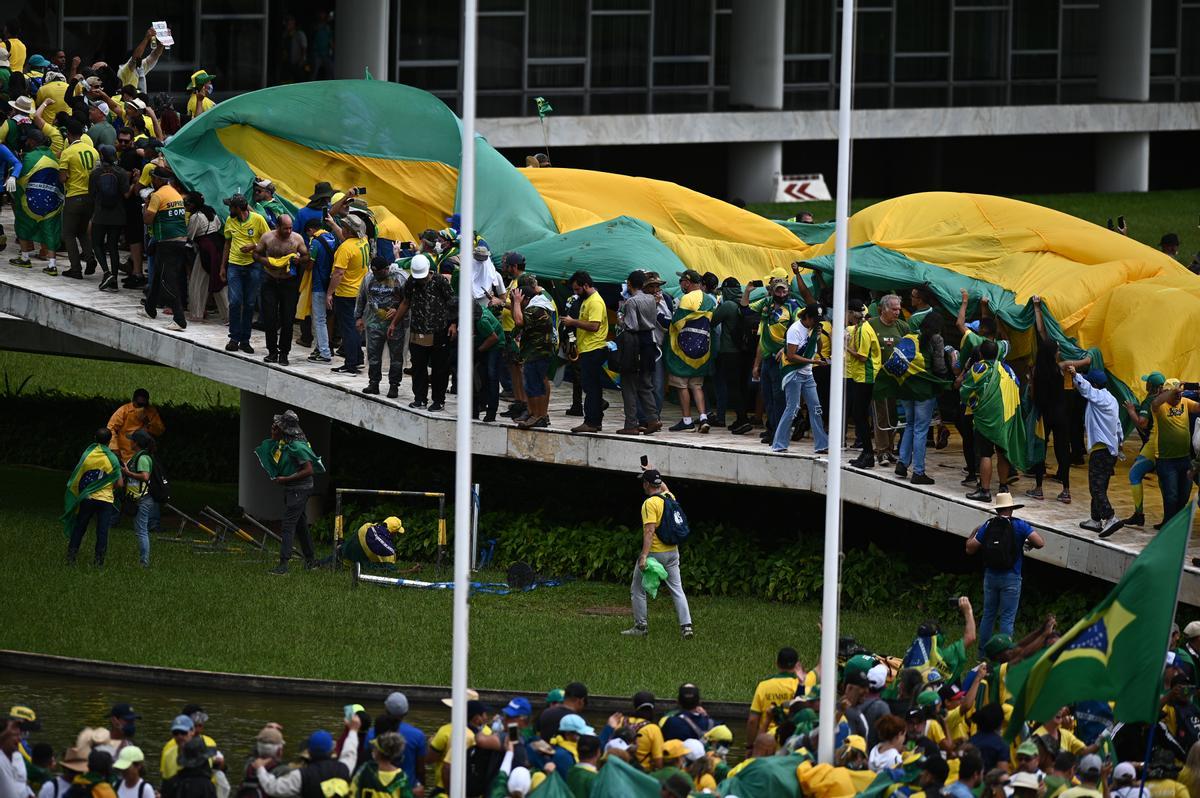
618, 779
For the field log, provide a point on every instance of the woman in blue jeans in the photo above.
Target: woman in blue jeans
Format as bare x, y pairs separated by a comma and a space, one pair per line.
797, 359
137, 490
1002, 565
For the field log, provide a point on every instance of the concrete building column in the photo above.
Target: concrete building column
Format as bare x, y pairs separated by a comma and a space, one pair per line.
1123, 159
257, 495
756, 83
362, 31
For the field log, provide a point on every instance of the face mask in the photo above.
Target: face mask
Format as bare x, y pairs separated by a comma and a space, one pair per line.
438, 247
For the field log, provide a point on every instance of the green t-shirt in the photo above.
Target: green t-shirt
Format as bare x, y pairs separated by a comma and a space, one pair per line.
889, 334
580, 779
487, 325
142, 462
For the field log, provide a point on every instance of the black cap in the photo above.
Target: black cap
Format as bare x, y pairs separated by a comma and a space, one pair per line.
238, 200
689, 696
476, 708
858, 679
514, 259
678, 785
643, 698
1169, 239
429, 235
651, 477
125, 711
936, 766
691, 275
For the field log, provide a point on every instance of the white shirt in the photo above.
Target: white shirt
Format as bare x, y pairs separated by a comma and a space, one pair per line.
798, 335
125, 791
48, 789
882, 760
10, 785
1101, 420
485, 280
127, 71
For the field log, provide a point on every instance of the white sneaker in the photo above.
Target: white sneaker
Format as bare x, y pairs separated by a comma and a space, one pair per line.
1110, 526
173, 326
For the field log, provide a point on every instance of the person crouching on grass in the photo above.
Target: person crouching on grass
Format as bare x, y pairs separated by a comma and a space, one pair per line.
660, 514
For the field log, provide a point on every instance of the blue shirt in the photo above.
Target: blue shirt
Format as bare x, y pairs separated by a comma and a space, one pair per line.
322, 257
992, 749
303, 215
414, 746
1021, 530
678, 728
958, 790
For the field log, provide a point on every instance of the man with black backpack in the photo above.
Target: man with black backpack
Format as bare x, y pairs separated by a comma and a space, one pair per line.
107, 185
664, 527
1003, 541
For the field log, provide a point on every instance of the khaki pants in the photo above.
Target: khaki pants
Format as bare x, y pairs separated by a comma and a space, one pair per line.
885, 425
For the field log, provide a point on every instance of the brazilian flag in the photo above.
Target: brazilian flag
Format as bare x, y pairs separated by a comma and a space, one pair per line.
619, 779
900, 781
906, 375
1116, 651
85, 482
690, 344
768, 777
280, 458
992, 391
37, 207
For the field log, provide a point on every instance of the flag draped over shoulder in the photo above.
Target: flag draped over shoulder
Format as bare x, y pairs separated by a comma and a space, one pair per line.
906, 375
283, 458
769, 777
690, 345
1116, 652
85, 482
618, 779
892, 781
996, 399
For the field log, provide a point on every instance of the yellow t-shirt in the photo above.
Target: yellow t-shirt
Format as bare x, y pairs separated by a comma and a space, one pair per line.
592, 309
935, 732
706, 783
98, 461
506, 318
862, 339
78, 160
956, 725
440, 744
1172, 429
1166, 788
1067, 741
56, 93
352, 256
771, 692
16, 55
652, 513
205, 104
240, 234
55, 137
649, 744
168, 763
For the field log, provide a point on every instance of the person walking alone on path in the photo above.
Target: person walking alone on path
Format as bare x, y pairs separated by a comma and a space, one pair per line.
1003, 541
1102, 422
289, 461
660, 515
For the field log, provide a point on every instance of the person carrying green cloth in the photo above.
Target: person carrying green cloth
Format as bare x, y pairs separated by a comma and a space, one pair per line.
90, 495
289, 461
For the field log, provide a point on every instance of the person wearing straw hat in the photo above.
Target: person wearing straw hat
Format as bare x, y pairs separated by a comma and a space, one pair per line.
1002, 540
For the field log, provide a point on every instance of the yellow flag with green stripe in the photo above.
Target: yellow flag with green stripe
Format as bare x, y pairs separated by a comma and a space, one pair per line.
992, 391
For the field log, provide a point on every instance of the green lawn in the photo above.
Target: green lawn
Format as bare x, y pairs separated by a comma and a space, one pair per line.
76, 376
1148, 215
223, 612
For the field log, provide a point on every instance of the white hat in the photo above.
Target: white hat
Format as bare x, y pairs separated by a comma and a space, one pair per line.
102, 107
695, 749
877, 676
4, 57
419, 266
1192, 629
22, 105
1023, 780
1124, 771
1004, 501
519, 781
136, 104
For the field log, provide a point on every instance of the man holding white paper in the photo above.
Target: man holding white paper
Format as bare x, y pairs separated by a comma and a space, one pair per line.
133, 72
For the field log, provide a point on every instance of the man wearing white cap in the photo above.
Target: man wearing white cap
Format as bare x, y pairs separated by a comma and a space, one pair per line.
100, 131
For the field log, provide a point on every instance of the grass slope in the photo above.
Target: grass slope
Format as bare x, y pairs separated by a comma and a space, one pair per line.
222, 612
1148, 214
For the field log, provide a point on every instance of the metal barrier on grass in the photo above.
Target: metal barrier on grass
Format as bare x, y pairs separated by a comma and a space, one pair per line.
339, 531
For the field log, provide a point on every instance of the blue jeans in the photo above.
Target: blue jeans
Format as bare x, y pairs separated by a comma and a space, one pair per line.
244, 283
1173, 484
343, 309
772, 391
89, 509
800, 386
147, 510
918, 415
1001, 596
320, 324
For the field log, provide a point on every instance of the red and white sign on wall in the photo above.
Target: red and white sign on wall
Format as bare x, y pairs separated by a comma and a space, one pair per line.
801, 188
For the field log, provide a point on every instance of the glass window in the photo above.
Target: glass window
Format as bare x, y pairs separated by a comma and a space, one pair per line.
233, 7
1083, 92
501, 5
1081, 28
806, 71
550, 76
1189, 56
920, 97
557, 28
691, 73
181, 20
632, 103
95, 8
808, 27
680, 102
498, 104
870, 97
620, 47
808, 99
874, 47
233, 52
97, 41
1189, 91
1034, 66
564, 104
722, 54
1035, 24
923, 68
1034, 94
1162, 92
1164, 19
620, 5
979, 52
427, 32
1162, 65
440, 78
922, 26
979, 95
501, 52
682, 27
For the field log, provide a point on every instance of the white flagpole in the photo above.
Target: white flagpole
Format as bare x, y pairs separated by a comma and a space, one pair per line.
462, 454
830, 590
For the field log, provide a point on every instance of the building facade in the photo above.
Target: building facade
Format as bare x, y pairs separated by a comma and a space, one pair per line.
725, 94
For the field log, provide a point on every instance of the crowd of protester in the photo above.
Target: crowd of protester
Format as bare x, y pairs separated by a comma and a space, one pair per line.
931, 723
